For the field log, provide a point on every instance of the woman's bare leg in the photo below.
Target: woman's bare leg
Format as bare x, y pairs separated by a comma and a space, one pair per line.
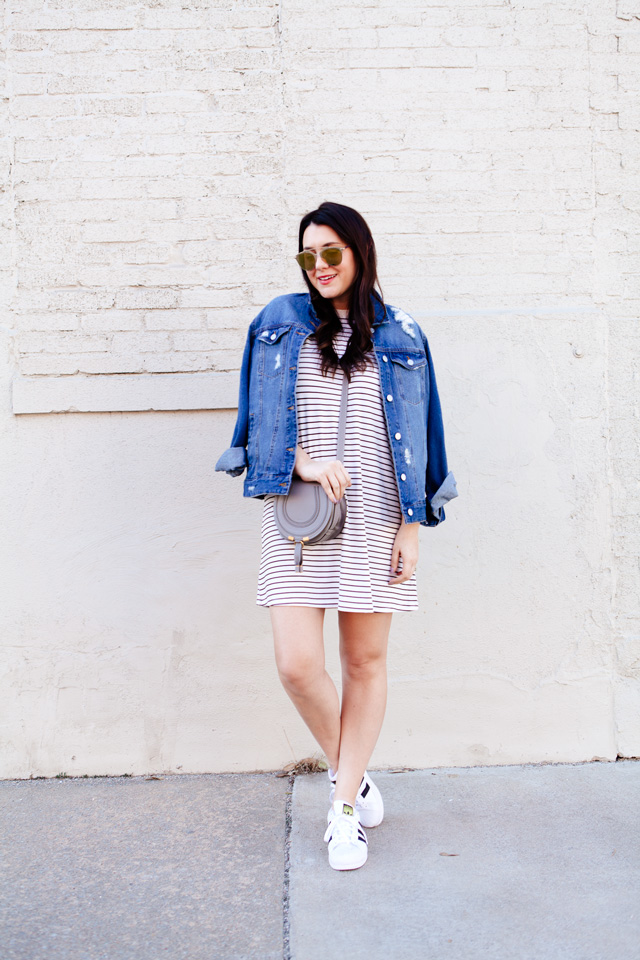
299, 648
363, 653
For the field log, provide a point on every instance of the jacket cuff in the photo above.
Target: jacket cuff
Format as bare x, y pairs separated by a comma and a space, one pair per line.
233, 461
445, 492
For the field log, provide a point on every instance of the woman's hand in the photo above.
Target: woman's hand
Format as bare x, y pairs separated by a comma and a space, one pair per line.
330, 474
405, 548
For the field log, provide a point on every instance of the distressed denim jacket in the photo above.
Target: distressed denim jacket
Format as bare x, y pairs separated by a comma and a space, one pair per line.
265, 435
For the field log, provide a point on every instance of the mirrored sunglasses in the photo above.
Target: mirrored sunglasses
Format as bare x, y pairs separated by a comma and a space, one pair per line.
332, 256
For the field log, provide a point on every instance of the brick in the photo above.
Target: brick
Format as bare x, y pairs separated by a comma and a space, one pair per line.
149, 210
108, 19
231, 340
246, 59
112, 232
54, 321
42, 19
179, 362
20, 41
29, 84
112, 106
215, 166
39, 365
121, 275
207, 297
167, 19
179, 319
230, 317
43, 106
108, 363
146, 299
181, 230
67, 343
143, 342
34, 275
71, 42
192, 340
63, 300
113, 320
175, 103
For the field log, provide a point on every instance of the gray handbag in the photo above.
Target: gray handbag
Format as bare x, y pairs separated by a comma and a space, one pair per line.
305, 514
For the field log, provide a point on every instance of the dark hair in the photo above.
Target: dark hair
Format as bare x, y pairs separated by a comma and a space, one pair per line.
354, 231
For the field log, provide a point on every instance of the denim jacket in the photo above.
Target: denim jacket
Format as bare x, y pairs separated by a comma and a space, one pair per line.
265, 436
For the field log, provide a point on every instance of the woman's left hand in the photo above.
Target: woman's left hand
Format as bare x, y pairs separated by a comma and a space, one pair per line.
405, 548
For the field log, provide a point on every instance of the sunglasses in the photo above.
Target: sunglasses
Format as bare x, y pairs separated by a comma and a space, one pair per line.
332, 256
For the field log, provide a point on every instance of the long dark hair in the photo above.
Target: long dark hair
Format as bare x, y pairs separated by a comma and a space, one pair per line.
354, 231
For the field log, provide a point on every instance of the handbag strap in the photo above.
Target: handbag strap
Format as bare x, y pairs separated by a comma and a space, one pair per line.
342, 422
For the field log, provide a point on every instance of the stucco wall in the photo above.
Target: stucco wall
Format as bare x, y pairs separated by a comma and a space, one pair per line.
157, 159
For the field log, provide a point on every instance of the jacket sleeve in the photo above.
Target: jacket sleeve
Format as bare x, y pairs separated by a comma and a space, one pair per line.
234, 460
440, 482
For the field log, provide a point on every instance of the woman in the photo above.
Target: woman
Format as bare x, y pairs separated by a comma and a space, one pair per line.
394, 477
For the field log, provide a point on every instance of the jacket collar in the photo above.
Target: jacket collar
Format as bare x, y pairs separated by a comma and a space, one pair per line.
380, 312
379, 309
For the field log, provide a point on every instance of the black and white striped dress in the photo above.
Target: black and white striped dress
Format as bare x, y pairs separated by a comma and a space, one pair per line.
349, 573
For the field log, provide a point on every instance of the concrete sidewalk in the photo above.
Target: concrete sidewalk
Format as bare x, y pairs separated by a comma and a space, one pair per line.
523, 862
184, 867
531, 862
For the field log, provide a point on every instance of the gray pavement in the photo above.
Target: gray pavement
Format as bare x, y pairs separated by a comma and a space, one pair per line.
531, 861
525, 862
119, 868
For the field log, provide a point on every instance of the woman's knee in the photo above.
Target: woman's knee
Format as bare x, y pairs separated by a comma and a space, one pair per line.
299, 647
296, 669
363, 664
363, 644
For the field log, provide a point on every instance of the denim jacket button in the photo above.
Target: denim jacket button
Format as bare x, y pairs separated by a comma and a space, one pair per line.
410, 362
398, 436
410, 512
384, 357
273, 336
403, 476
389, 397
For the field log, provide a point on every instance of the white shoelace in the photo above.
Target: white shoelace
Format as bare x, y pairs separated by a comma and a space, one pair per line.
342, 829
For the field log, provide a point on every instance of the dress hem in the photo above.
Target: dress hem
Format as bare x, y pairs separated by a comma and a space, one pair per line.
333, 606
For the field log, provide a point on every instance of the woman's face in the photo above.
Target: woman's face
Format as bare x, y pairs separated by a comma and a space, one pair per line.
334, 283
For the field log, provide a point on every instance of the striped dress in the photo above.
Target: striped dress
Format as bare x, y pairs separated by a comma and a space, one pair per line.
351, 572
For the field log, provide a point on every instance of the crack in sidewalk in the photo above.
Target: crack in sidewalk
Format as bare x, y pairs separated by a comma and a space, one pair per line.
288, 822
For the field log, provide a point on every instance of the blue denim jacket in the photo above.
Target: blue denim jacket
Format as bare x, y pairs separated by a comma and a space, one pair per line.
265, 435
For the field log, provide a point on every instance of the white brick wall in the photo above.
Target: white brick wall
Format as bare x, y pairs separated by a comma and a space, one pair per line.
156, 160
614, 41
161, 159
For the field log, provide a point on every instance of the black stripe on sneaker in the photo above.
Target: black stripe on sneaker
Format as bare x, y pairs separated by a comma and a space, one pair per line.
364, 792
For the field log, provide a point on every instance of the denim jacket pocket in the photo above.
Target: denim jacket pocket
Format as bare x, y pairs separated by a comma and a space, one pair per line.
272, 346
409, 371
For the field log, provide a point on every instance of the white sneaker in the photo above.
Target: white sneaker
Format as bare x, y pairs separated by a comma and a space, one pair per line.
369, 805
348, 848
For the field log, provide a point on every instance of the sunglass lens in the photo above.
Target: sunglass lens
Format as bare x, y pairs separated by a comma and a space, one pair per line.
306, 260
332, 256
